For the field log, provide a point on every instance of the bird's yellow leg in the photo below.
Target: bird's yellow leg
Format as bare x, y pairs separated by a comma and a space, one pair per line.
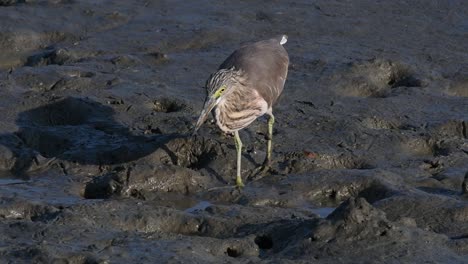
238, 142
271, 121
267, 162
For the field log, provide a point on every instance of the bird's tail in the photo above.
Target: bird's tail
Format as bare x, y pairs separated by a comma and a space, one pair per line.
284, 39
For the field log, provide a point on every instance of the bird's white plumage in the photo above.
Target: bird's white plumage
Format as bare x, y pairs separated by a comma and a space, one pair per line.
284, 39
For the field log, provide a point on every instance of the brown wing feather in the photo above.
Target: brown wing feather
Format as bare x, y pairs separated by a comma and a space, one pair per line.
266, 65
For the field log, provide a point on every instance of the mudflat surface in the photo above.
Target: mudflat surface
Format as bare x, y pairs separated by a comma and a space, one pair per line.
98, 100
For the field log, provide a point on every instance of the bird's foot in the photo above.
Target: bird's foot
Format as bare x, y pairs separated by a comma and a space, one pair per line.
260, 172
239, 183
232, 191
222, 188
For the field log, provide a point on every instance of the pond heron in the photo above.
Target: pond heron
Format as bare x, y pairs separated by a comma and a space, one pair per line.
246, 86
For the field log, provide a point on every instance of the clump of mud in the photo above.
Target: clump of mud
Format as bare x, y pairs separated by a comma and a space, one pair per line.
376, 78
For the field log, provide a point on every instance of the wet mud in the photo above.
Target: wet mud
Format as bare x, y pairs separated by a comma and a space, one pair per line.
98, 164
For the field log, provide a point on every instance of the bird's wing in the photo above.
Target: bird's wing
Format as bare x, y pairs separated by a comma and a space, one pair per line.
265, 63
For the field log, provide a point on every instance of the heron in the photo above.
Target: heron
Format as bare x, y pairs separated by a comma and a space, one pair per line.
246, 86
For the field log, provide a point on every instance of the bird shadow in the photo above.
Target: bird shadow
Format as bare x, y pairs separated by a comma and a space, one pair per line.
77, 130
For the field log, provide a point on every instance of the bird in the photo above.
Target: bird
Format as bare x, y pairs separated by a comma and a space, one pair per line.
246, 86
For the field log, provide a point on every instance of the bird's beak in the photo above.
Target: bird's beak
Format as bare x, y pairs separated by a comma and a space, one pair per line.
209, 104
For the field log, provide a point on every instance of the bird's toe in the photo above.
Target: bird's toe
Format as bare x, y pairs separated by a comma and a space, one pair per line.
260, 172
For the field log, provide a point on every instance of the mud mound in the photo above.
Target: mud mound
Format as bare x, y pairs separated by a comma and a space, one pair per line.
54, 79
376, 122
323, 191
191, 152
459, 88
167, 105
55, 56
451, 129
352, 223
20, 209
447, 215
207, 156
375, 78
141, 181
307, 161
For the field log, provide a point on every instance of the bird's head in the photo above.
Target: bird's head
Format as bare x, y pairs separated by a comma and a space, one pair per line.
217, 86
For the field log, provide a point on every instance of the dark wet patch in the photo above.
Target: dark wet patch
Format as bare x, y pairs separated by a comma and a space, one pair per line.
65, 112
233, 252
264, 242
77, 131
11, 2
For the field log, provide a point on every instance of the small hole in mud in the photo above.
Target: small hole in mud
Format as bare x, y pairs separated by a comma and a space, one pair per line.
166, 105
202, 228
202, 161
137, 194
404, 79
232, 252
375, 192
264, 242
192, 153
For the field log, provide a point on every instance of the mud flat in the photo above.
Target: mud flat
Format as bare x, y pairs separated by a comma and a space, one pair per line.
98, 100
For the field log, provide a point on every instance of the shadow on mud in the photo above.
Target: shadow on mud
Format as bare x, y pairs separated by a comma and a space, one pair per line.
75, 130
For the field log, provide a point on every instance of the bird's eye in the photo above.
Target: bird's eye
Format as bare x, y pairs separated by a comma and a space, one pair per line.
220, 91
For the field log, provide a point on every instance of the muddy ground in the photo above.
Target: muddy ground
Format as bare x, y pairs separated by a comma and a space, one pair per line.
98, 100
